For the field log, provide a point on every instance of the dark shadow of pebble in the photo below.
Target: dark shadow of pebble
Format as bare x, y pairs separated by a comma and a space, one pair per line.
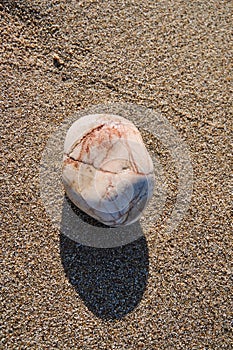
111, 281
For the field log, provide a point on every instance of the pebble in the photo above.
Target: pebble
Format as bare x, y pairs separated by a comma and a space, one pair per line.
107, 170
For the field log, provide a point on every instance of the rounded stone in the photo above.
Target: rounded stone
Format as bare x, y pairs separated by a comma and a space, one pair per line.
107, 171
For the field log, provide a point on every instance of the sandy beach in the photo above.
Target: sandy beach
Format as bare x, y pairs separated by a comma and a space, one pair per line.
161, 291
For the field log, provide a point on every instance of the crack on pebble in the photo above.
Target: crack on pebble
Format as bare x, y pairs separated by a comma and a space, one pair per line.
99, 127
107, 171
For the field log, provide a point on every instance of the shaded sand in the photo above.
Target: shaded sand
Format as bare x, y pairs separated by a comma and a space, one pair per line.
162, 291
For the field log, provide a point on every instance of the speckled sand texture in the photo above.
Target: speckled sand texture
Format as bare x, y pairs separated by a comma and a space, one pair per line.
162, 291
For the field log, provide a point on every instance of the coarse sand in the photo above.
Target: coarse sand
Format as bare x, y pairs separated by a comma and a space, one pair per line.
162, 291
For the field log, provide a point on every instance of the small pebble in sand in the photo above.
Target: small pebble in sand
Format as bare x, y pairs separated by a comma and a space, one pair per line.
57, 61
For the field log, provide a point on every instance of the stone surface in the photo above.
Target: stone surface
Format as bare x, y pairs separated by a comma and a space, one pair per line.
107, 170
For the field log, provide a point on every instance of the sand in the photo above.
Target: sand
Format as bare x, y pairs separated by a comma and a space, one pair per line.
163, 291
